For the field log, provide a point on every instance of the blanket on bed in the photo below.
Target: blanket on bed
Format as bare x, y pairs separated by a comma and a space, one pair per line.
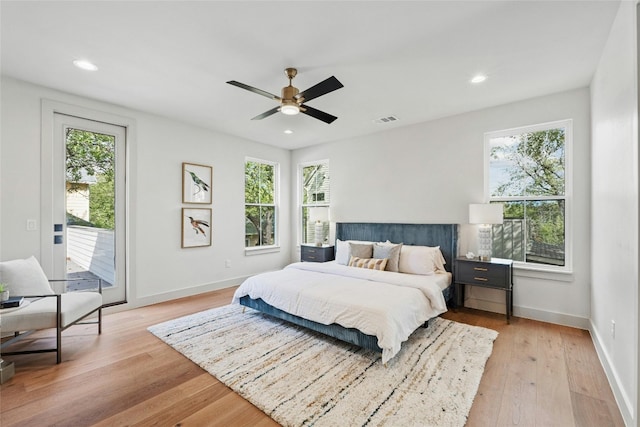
384, 304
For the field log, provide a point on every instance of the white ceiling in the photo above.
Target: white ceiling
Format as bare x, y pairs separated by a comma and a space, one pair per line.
410, 59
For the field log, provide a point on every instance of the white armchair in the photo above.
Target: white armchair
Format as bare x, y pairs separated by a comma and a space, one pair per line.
45, 309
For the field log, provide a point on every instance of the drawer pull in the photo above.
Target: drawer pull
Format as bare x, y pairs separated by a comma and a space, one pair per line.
480, 269
482, 279
311, 257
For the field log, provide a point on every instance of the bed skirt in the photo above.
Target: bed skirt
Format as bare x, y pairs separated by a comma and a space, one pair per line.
350, 335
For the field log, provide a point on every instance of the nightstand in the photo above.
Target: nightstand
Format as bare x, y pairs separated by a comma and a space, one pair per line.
496, 273
314, 253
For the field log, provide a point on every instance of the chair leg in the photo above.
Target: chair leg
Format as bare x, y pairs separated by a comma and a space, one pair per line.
59, 329
99, 321
58, 345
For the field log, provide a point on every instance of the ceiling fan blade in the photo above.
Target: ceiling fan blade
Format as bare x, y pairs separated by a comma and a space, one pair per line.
266, 113
317, 114
322, 88
254, 90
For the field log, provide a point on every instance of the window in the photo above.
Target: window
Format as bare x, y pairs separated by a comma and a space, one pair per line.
260, 200
315, 197
527, 173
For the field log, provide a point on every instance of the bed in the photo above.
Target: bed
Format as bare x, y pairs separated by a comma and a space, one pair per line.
359, 305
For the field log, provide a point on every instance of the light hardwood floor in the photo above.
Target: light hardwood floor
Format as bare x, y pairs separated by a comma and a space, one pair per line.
538, 375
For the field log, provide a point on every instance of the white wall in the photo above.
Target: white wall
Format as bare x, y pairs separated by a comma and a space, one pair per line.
614, 210
430, 172
160, 269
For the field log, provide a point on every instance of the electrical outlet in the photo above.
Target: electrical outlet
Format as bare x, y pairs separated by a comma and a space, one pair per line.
613, 329
32, 225
227, 263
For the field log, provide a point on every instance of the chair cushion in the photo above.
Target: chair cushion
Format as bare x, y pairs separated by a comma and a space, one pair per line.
41, 313
24, 277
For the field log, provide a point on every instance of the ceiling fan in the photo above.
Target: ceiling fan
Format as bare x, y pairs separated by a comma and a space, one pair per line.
292, 100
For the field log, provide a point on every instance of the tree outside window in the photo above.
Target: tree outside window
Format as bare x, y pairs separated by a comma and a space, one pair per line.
316, 195
260, 203
90, 173
527, 173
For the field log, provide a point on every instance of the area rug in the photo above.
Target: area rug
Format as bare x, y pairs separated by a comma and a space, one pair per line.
301, 378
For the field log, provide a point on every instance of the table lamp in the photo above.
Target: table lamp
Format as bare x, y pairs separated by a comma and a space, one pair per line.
319, 215
486, 215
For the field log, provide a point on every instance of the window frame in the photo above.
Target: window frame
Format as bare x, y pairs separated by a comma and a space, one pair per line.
567, 124
301, 205
252, 250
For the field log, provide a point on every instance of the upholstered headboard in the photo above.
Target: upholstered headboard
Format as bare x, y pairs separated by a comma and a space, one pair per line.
443, 235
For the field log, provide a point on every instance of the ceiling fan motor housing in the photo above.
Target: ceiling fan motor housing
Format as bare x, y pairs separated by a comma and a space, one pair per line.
289, 93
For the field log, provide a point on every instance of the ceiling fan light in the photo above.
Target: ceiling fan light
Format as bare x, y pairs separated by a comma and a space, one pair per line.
290, 109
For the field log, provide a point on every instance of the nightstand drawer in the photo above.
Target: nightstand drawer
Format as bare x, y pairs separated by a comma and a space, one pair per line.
316, 253
482, 273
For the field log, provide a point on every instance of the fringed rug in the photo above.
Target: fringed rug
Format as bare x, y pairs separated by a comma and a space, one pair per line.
301, 378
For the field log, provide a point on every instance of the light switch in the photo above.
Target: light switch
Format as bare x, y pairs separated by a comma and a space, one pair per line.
32, 225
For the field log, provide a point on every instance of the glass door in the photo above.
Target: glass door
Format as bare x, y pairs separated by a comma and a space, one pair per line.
89, 205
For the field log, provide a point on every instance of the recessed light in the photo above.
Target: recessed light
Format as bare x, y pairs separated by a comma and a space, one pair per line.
288, 131
479, 78
85, 65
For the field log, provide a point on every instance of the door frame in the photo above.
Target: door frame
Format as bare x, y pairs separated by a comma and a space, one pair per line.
47, 138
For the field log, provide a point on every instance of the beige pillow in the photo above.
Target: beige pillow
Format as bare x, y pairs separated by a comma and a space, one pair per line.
361, 250
370, 263
422, 260
24, 277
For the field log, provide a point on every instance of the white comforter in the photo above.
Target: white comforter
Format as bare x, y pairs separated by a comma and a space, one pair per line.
387, 305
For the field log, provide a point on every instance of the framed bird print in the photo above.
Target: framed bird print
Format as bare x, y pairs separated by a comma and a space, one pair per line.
197, 181
196, 227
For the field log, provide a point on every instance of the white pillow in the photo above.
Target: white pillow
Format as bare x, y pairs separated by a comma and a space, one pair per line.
342, 252
24, 277
423, 260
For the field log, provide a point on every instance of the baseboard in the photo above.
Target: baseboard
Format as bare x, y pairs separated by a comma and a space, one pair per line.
622, 399
179, 293
530, 313
552, 317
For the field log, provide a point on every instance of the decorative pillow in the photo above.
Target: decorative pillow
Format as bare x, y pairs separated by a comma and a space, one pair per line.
361, 250
24, 277
422, 260
343, 250
370, 263
388, 250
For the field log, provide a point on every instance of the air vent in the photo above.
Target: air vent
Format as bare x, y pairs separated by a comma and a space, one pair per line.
387, 119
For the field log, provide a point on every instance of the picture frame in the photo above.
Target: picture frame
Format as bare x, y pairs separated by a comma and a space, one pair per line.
197, 183
196, 227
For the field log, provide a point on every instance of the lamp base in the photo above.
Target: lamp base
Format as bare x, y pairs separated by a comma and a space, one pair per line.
484, 257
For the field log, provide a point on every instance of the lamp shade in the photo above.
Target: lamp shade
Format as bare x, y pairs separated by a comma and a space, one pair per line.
319, 213
485, 213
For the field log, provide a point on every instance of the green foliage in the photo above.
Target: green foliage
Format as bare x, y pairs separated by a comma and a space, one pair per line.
93, 154
90, 152
102, 203
3, 287
536, 164
259, 183
259, 190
